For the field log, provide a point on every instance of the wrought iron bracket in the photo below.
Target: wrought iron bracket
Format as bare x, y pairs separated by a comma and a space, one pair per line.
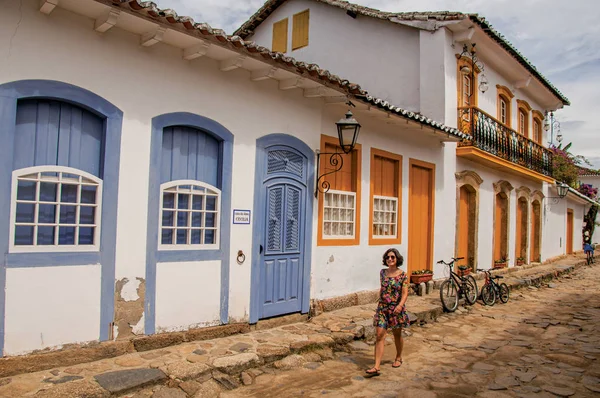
337, 161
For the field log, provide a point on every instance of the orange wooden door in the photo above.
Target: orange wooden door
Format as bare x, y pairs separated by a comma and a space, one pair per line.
463, 225
519, 238
420, 218
499, 226
536, 229
569, 231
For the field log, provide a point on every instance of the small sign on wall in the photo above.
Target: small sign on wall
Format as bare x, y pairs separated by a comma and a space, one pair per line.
241, 216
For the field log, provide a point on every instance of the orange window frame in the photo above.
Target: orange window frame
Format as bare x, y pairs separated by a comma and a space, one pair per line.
461, 94
524, 110
505, 94
355, 158
396, 180
538, 117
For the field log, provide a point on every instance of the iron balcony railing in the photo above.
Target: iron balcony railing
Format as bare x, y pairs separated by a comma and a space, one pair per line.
490, 135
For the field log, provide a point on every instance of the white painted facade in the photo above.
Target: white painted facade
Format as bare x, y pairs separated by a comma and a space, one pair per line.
145, 82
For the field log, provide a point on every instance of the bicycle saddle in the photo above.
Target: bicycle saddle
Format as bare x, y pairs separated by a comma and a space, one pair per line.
462, 267
497, 277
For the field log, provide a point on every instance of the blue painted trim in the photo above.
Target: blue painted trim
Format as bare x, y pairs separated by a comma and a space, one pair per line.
262, 144
27, 260
153, 254
10, 93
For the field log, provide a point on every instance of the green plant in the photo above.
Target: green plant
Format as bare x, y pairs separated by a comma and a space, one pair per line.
422, 272
520, 258
502, 260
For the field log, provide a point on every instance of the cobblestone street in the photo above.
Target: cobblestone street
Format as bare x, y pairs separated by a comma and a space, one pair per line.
544, 342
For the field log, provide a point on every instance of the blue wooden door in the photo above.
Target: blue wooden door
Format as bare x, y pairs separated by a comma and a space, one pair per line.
281, 259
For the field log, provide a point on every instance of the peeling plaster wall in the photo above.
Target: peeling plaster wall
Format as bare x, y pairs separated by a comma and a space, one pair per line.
129, 307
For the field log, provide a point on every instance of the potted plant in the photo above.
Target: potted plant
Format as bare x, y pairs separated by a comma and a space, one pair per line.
501, 263
422, 275
520, 261
465, 272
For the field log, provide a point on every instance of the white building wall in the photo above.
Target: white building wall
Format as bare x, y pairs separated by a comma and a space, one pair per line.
382, 57
51, 306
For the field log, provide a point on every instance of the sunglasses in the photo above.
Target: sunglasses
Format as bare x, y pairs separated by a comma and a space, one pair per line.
390, 257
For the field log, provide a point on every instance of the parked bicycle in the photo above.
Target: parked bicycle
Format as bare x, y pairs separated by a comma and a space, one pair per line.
457, 286
589, 252
492, 290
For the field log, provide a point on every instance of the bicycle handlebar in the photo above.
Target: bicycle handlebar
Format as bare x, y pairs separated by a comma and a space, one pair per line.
453, 260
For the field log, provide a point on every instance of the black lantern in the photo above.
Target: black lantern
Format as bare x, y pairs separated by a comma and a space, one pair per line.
563, 189
348, 129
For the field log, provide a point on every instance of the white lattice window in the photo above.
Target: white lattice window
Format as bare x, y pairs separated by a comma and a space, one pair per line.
189, 216
339, 214
385, 217
55, 208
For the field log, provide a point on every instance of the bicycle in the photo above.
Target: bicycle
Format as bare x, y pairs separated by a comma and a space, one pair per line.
457, 286
492, 289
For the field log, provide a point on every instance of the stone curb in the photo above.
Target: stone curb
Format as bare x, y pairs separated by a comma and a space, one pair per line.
228, 371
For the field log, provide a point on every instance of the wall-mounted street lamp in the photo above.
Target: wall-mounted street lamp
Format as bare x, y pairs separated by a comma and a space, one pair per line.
348, 129
562, 189
476, 64
550, 123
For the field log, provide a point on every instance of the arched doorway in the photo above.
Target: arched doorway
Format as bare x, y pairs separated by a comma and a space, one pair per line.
522, 225
501, 220
467, 217
536, 231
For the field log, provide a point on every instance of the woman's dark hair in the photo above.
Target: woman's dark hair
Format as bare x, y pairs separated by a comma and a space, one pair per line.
399, 258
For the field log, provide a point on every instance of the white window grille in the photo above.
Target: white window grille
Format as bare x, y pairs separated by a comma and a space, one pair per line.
339, 215
189, 216
55, 208
385, 217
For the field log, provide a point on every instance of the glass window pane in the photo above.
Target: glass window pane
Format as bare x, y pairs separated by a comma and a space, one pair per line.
66, 235
166, 236
168, 200
167, 218
26, 190
183, 201
197, 202
210, 220
86, 215
197, 219
68, 193
182, 236
182, 218
23, 235
209, 236
25, 212
86, 236
48, 191
45, 235
211, 203
196, 234
46, 214
88, 194
67, 215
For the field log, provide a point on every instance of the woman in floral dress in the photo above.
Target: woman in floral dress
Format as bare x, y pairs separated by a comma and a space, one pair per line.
390, 313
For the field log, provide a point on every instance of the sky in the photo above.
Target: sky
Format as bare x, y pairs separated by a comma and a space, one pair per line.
560, 37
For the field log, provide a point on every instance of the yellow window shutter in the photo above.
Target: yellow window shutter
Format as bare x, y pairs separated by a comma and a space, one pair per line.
300, 30
280, 36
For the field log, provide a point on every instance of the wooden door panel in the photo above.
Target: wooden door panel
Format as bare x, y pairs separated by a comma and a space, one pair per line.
420, 218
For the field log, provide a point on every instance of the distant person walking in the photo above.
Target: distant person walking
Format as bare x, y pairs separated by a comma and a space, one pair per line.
390, 312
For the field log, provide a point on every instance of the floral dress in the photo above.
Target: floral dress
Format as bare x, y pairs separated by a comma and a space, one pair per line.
389, 295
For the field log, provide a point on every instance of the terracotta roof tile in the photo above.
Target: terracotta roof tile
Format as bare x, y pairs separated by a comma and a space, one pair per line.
263, 13
204, 31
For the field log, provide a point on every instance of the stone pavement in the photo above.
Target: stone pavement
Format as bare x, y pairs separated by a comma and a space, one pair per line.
209, 368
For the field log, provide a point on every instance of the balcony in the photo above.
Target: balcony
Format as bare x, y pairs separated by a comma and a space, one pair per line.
501, 147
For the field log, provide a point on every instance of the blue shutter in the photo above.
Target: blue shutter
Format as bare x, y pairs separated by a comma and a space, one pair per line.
54, 133
282, 161
292, 222
274, 217
189, 154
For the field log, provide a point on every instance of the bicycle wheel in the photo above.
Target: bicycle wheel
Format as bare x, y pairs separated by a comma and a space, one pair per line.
471, 293
488, 296
504, 293
449, 295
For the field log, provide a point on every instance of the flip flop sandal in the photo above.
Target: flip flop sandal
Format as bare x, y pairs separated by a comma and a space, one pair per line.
396, 361
372, 372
